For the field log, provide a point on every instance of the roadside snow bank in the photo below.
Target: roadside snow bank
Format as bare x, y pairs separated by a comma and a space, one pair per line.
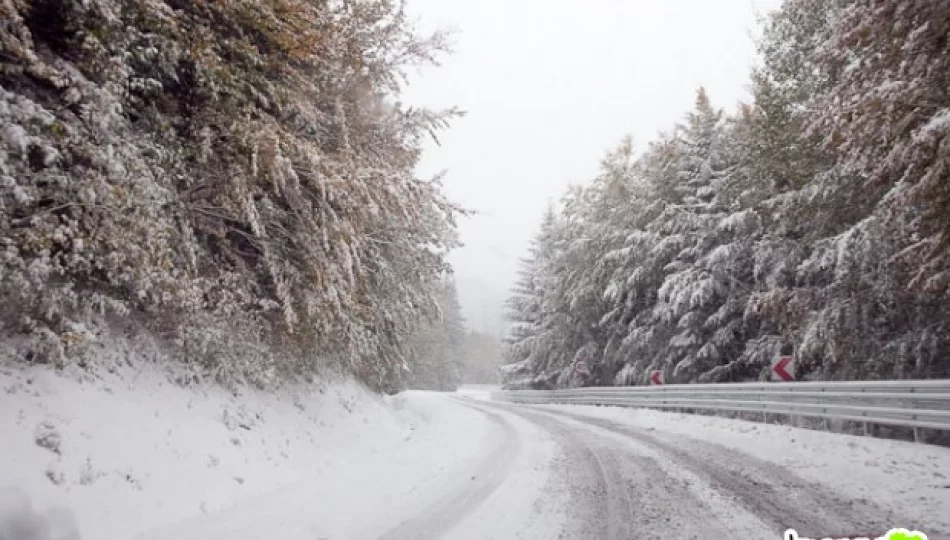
129, 454
365, 489
914, 478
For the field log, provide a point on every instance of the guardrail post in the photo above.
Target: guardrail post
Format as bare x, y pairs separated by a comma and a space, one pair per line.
916, 434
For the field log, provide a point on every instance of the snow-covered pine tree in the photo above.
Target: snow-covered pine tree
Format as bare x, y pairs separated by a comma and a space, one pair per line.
522, 345
884, 265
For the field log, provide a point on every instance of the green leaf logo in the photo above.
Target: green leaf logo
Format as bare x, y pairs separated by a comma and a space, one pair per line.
904, 534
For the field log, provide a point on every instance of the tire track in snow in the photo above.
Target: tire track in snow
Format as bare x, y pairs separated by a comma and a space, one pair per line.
618, 491
774, 494
440, 518
600, 501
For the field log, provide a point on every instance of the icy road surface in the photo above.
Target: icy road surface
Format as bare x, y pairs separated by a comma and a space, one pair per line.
458, 466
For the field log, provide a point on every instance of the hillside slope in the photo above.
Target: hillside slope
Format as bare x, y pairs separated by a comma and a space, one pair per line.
236, 176
129, 455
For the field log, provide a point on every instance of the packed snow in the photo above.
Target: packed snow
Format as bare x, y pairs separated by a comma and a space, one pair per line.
905, 476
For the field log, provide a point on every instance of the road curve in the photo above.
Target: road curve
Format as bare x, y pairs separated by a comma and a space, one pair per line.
777, 496
622, 482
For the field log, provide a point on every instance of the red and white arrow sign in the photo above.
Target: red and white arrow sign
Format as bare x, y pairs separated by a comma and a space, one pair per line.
656, 378
783, 368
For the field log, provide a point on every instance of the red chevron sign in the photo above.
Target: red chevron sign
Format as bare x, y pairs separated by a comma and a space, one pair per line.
656, 378
784, 368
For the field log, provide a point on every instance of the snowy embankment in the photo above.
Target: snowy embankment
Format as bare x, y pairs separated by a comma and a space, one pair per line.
129, 455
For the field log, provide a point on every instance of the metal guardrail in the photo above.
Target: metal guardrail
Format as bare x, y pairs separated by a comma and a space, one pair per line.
916, 404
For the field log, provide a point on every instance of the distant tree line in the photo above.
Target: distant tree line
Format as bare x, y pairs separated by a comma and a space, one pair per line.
445, 355
437, 347
482, 357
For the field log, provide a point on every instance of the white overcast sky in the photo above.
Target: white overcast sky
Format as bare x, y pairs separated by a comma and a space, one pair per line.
549, 86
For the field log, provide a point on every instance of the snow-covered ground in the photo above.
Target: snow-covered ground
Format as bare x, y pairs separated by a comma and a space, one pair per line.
130, 455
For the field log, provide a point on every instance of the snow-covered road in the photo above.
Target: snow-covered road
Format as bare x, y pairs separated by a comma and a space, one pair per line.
460, 466
624, 474
616, 476
574, 472
626, 482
